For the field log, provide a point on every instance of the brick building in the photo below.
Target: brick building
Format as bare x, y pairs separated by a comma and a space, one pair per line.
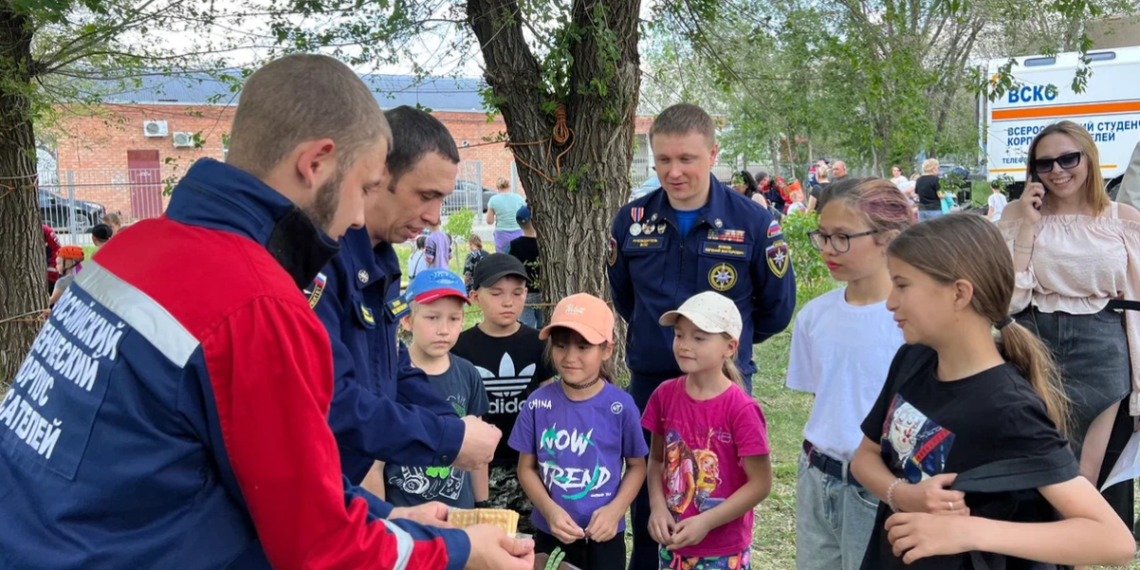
124, 156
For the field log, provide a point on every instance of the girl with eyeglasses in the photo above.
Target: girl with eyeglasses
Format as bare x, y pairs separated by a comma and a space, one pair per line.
1075, 252
842, 346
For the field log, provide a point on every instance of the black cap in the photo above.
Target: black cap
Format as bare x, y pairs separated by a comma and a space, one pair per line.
102, 231
495, 267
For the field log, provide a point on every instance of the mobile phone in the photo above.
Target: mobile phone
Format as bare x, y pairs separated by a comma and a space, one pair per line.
1033, 176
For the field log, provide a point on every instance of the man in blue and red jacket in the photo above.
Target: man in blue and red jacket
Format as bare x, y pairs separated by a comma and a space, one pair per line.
172, 413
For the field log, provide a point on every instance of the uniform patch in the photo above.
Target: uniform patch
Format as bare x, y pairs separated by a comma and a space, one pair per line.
734, 236
774, 229
366, 316
611, 252
724, 249
397, 307
778, 258
722, 277
314, 292
645, 243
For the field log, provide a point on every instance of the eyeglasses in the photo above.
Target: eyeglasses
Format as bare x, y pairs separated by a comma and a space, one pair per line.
1066, 162
841, 242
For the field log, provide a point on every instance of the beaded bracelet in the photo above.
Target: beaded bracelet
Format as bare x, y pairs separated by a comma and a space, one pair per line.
891, 495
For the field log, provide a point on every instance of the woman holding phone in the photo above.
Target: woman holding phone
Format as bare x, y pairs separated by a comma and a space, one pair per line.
1075, 252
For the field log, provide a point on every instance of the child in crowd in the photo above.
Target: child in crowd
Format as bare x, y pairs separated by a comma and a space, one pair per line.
101, 234
437, 248
525, 248
574, 436
114, 220
475, 255
797, 204
997, 202
436, 298
69, 262
508, 355
709, 464
842, 346
964, 446
417, 263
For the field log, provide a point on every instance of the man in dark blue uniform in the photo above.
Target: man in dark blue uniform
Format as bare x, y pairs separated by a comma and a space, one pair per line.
383, 408
693, 234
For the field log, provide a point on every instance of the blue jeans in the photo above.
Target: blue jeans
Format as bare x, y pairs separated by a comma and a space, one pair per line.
532, 316
834, 521
924, 215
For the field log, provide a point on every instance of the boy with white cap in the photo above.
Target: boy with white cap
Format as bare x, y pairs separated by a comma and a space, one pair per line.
708, 462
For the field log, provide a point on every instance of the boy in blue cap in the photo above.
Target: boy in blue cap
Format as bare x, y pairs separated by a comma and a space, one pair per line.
437, 298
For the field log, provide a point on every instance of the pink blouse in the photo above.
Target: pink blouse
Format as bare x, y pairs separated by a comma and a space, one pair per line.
1079, 263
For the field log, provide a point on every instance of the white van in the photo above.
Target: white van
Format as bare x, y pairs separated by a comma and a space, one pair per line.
1109, 107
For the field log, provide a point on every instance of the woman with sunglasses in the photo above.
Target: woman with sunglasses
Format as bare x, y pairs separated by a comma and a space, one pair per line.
1075, 252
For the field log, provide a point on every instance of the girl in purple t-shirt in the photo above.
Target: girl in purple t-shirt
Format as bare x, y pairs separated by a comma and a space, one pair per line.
574, 436
708, 463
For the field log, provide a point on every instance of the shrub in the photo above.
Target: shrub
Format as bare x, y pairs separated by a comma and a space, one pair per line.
812, 277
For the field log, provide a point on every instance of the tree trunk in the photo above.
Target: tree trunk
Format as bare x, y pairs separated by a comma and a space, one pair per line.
573, 198
22, 258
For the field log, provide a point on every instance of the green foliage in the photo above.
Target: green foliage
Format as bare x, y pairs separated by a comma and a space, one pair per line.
980, 193
459, 225
875, 83
812, 276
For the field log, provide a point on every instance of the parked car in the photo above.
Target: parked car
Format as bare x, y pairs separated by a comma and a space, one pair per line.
945, 170
646, 187
57, 212
466, 195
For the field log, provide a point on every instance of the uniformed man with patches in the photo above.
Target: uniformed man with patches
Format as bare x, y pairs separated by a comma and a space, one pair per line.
383, 409
692, 235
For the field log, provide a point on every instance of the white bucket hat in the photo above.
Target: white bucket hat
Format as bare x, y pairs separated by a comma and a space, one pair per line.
709, 311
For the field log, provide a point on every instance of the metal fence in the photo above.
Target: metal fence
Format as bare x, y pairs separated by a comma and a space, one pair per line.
73, 201
469, 194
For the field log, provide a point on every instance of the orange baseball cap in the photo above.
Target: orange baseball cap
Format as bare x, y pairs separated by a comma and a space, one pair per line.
584, 314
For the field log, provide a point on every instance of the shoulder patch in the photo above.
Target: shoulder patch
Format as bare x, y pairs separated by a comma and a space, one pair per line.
778, 259
774, 229
316, 289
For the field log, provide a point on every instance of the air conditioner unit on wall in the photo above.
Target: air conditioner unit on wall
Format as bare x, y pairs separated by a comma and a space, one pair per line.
154, 128
183, 140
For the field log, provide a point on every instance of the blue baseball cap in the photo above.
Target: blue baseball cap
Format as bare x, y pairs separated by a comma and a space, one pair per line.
522, 216
434, 284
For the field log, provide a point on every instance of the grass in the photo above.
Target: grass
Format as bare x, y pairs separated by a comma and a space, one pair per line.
774, 533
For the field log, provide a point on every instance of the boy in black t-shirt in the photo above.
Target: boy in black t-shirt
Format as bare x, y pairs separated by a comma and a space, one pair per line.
509, 357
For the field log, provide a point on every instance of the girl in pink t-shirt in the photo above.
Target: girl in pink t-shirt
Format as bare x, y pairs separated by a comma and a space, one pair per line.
708, 464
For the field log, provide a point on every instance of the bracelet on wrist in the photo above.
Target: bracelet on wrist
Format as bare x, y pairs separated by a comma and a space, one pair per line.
891, 495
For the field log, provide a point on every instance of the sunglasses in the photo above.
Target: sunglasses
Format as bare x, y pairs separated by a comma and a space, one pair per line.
1065, 161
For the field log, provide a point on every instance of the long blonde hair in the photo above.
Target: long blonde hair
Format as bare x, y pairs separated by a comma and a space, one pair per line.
1093, 191
732, 371
970, 248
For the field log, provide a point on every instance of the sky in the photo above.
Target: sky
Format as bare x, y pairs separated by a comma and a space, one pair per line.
431, 50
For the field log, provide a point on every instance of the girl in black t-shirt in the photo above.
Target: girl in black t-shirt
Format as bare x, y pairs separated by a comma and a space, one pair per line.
964, 445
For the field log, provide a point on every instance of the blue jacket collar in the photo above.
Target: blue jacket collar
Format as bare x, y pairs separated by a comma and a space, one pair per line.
218, 196
715, 209
371, 265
